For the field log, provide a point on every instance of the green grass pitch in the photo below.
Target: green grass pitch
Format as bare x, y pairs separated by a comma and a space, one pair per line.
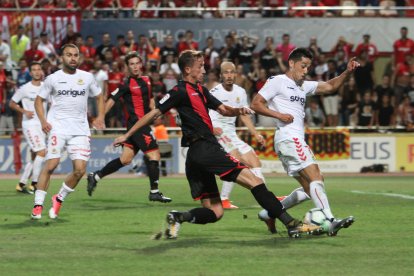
110, 232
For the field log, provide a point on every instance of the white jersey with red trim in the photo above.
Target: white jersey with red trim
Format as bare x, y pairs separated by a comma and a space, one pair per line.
237, 98
26, 94
69, 101
285, 96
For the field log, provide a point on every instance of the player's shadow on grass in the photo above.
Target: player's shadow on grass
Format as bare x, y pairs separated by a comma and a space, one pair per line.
33, 223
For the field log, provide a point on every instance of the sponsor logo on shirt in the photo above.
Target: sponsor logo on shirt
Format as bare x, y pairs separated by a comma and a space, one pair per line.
297, 99
165, 98
71, 92
289, 87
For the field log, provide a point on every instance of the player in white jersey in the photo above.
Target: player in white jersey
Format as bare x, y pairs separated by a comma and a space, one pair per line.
66, 125
32, 129
283, 97
225, 127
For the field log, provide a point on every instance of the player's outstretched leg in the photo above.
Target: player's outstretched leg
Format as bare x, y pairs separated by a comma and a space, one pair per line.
174, 223
338, 224
92, 183
158, 196
270, 222
153, 168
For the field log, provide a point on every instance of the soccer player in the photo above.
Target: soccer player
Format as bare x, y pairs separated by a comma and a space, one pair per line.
283, 97
224, 127
205, 157
137, 96
66, 125
31, 126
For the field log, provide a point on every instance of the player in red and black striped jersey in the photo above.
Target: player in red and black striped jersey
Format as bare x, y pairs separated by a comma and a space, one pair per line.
137, 96
205, 157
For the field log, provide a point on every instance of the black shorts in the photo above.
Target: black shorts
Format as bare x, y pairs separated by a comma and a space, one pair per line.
143, 140
205, 159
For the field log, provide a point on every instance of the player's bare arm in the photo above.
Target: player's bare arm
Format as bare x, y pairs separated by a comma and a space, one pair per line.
15, 106
144, 121
217, 131
259, 105
46, 127
229, 111
247, 121
109, 104
99, 122
334, 84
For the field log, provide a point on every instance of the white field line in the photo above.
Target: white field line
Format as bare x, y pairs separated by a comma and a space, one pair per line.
384, 194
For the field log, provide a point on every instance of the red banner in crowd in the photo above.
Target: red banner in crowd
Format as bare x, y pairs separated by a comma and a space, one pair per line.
52, 22
325, 144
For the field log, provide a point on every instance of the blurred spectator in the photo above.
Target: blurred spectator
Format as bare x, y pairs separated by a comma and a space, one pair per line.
314, 49
191, 13
386, 112
244, 50
212, 79
126, 8
405, 113
154, 57
121, 49
45, 45
6, 93
169, 79
316, 12
115, 78
8, 4
285, 48
90, 48
105, 46
23, 74
3, 90
168, 49
254, 73
295, 13
33, 54
384, 88
26, 4
350, 98
144, 48
101, 8
364, 74
71, 35
64, 4
170, 64
130, 41
273, 4
331, 101
229, 13
5, 53
343, 45
101, 78
403, 46
268, 55
86, 7
364, 3
331, 3
253, 13
142, 5
19, 43
366, 111
157, 86
228, 51
367, 46
210, 53
241, 79
314, 115
210, 4
410, 91
341, 63
167, 14
401, 77
188, 43
47, 67
321, 68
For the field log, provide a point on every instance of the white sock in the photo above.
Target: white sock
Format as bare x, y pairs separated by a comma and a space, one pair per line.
37, 167
64, 192
319, 197
154, 191
97, 178
39, 197
226, 189
295, 197
258, 172
26, 173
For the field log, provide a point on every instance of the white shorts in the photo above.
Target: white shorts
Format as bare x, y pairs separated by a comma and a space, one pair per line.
35, 137
78, 146
330, 104
231, 142
295, 155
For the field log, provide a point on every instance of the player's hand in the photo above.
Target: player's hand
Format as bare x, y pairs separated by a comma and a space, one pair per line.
286, 118
98, 123
260, 139
29, 114
245, 110
46, 127
217, 131
119, 140
352, 64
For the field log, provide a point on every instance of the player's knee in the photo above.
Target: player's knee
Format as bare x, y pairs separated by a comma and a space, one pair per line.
41, 153
78, 173
126, 161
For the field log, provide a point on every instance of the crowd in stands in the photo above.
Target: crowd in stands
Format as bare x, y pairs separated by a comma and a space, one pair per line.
252, 8
363, 101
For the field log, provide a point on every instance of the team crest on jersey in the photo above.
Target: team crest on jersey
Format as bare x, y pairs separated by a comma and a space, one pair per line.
81, 82
237, 100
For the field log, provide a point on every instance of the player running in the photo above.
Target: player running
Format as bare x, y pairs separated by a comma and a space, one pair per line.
225, 128
67, 126
205, 157
31, 126
137, 96
283, 97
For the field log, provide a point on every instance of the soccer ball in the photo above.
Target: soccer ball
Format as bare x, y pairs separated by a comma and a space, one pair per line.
317, 217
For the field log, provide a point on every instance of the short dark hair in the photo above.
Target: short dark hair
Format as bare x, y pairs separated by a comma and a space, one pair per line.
132, 55
33, 64
298, 53
68, 45
187, 58
404, 28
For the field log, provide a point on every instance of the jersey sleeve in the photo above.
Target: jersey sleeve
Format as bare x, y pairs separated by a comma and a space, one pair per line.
47, 88
94, 88
117, 94
172, 99
18, 96
310, 87
243, 98
212, 102
269, 90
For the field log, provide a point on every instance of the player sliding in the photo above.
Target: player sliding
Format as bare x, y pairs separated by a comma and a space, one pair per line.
205, 157
283, 97
225, 128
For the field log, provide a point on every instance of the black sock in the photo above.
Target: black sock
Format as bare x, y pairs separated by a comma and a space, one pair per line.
200, 216
268, 201
153, 168
111, 167
34, 183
